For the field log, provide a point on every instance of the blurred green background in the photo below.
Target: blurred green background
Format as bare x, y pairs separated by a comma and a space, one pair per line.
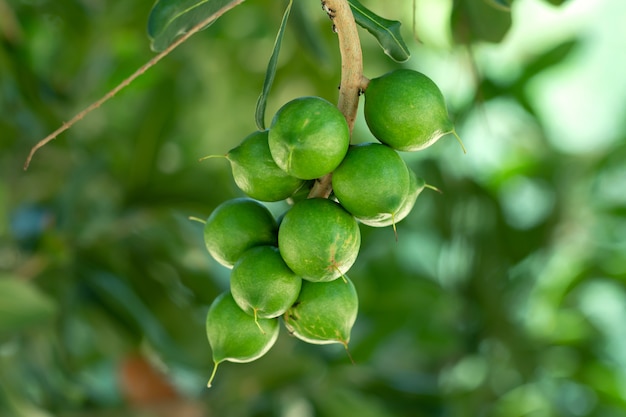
503, 297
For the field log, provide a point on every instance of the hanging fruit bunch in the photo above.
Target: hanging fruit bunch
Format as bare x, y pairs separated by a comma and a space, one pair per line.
294, 269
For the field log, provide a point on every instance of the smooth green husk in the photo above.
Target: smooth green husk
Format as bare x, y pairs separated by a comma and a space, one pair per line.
318, 239
234, 335
262, 284
406, 110
324, 312
308, 137
237, 225
372, 181
256, 173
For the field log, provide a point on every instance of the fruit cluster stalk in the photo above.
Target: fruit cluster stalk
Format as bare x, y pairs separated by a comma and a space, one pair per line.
351, 74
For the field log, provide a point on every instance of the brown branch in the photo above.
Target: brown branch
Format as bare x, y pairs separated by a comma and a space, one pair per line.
66, 125
352, 80
351, 60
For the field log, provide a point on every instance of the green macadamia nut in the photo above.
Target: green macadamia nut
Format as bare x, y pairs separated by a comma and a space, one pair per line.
406, 110
372, 181
308, 137
324, 313
416, 186
256, 173
262, 284
234, 335
318, 239
237, 225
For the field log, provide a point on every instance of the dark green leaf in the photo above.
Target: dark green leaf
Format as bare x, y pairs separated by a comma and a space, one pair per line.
474, 21
386, 32
503, 4
22, 306
271, 71
170, 19
117, 295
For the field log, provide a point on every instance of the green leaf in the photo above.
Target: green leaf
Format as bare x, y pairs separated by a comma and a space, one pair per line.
22, 306
502, 4
121, 298
386, 32
271, 71
170, 19
474, 21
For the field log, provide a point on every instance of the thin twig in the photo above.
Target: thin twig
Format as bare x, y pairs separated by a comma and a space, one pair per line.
66, 125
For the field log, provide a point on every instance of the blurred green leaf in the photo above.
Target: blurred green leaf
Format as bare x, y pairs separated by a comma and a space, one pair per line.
340, 401
505, 4
553, 56
121, 299
308, 34
22, 306
171, 18
271, 71
386, 32
4, 209
474, 21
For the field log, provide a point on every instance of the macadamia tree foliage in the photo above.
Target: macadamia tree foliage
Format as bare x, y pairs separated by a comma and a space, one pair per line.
390, 209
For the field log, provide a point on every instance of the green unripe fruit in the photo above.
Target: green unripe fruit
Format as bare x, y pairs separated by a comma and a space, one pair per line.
234, 335
406, 110
236, 226
256, 173
324, 312
262, 284
416, 186
318, 239
372, 181
302, 193
308, 137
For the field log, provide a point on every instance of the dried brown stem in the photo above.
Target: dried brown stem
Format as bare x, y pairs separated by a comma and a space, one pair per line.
66, 125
